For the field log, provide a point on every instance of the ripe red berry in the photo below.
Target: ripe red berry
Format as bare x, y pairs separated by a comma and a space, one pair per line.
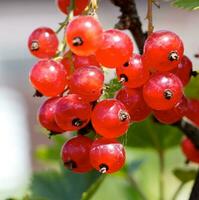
85, 61
132, 73
107, 155
116, 49
80, 5
134, 103
48, 77
183, 71
163, 51
84, 35
110, 118
193, 111
163, 91
87, 82
46, 115
43, 43
72, 113
190, 151
75, 154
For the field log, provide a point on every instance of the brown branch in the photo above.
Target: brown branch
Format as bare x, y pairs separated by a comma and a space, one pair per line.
130, 20
195, 190
150, 16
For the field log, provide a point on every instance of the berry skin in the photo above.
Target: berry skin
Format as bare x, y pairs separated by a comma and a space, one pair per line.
80, 5
84, 35
110, 118
72, 113
46, 115
183, 71
87, 82
116, 49
134, 103
163, 51
43, 43
190, 151
48, 77
85, 61
163, 91
75, 154
193, 111
107, 155
132, 73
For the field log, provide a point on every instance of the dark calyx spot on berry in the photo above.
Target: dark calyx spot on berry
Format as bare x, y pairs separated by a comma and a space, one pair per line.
168, 94
103, 168
173, 56
187, 161
126, 64
194, 73
77, 41
70, 164
77, 122
85, 130
123, 116
123, 78
37, 94
34, 46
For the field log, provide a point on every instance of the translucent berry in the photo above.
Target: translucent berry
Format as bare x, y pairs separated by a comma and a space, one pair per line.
75, 154
72, 113
193, 111
84, 35
107, 155
85, 61
183, 71
87, 82
116, 49
132, 73
48, 77
110, 118
163, 51
163, 91
80, 5
134, 103
190, 151
43, 43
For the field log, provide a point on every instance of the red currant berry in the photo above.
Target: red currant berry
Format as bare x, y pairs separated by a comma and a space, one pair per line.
116, 49
184, 70
163, 91
43, 43
80, 5
132, 73
107, 155
85, 61
72, 113
75, 154
163, 51
193, 111
110, 118
134, 103
87, 82
46, 115
190, 151
84, 35
48, 77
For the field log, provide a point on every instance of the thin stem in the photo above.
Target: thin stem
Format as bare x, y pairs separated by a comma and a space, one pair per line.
178, 191
161, 175
134, 184
150, 16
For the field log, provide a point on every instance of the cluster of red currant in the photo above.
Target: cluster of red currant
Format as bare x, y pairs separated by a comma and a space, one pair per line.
153, 82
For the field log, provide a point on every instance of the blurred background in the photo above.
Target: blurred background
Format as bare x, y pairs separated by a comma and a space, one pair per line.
20, 133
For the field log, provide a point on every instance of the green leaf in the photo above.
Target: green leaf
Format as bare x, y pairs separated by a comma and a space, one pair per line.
187, 4
185, 175
192, 89
53, 185
134, 165
112, 88
150, 134
94, 187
